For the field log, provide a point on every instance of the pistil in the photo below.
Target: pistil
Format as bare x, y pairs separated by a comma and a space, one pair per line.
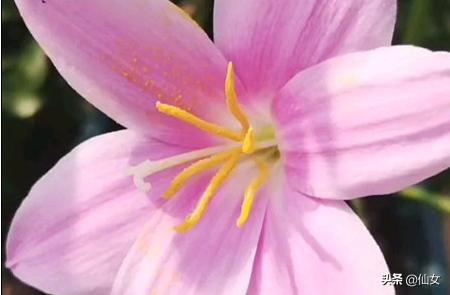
147, 167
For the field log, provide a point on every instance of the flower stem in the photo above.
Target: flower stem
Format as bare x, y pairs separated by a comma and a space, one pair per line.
437, 201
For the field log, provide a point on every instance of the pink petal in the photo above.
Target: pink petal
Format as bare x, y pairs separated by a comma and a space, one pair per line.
73, 230
311, 246
215, 257
269, 41
366, 123
123, 56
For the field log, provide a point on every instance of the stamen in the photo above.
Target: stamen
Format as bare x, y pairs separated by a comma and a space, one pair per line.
231, 100
193, 218
227, 155
251, 190
248, 145
195, 168
187, 117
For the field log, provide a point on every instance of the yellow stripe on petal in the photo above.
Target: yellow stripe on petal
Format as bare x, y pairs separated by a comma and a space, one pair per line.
193, 218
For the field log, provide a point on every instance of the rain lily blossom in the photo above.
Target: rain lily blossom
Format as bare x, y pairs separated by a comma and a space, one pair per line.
231, 174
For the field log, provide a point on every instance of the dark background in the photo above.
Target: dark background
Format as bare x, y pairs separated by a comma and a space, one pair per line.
43, 119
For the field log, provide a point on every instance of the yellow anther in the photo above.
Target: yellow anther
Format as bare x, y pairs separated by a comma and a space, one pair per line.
251, 190
212, 187
248, 145
187, 117
232, 103
195, 168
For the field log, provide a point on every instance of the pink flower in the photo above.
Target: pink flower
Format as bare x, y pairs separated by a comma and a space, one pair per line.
304, 131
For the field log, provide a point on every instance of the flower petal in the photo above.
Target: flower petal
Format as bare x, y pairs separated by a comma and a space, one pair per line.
269, 41
73, 230
366, 123
214, 257
311, 246
123, 56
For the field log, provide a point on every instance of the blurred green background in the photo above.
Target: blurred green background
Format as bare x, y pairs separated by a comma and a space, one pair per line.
43, 119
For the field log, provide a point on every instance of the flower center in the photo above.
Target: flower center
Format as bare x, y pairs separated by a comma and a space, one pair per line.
245, 147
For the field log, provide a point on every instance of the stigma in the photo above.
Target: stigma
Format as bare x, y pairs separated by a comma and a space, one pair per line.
242, 146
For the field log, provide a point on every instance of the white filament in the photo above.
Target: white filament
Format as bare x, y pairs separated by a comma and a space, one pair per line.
147, 168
